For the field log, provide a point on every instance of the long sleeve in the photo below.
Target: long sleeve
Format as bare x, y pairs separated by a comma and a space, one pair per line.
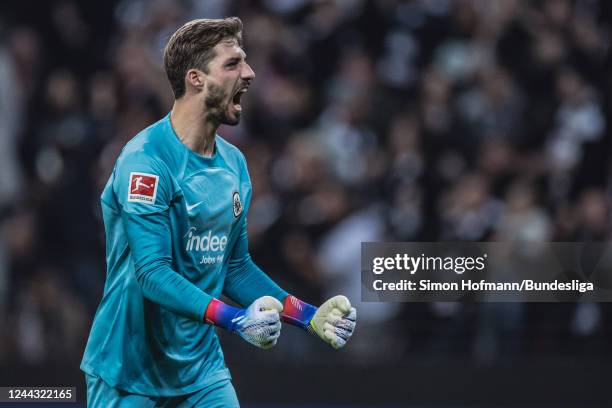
245, 281
148, 237
144, 189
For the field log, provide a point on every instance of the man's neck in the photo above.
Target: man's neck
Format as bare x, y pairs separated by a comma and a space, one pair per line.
192, 126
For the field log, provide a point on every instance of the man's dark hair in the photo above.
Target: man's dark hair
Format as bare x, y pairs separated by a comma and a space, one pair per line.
191, 46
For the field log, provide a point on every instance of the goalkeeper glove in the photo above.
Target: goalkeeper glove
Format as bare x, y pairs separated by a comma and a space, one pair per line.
334, 321
259, 324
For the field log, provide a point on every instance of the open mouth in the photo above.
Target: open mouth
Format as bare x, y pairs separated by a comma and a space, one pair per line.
237, 97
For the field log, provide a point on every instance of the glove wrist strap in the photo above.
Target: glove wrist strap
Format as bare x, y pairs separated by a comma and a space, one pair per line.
221, 314
297, 312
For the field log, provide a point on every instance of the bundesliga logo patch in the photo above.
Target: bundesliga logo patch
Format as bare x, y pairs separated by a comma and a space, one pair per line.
143, 188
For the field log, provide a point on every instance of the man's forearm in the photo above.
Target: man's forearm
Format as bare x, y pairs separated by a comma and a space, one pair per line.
245, 282
162, 285
152, 259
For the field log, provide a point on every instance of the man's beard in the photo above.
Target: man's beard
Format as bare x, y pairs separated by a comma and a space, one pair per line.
214, 104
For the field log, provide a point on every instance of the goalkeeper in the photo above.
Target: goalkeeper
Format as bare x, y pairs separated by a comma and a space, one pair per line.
175, 210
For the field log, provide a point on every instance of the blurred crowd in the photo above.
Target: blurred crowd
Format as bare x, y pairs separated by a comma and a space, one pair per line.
369, 120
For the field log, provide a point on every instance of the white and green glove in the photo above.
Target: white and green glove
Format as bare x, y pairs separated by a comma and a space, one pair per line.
334, 321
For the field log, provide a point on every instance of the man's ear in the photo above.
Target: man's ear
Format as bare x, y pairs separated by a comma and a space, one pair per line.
195, 79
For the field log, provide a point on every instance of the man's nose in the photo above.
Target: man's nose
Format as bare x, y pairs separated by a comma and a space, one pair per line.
247, 73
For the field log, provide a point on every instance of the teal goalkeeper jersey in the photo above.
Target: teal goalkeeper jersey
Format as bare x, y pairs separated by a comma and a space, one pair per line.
176, 237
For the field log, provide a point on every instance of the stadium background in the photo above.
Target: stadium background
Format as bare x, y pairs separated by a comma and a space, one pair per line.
368, 120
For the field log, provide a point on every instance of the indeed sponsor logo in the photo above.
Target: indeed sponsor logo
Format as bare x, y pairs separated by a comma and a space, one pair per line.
205, 242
